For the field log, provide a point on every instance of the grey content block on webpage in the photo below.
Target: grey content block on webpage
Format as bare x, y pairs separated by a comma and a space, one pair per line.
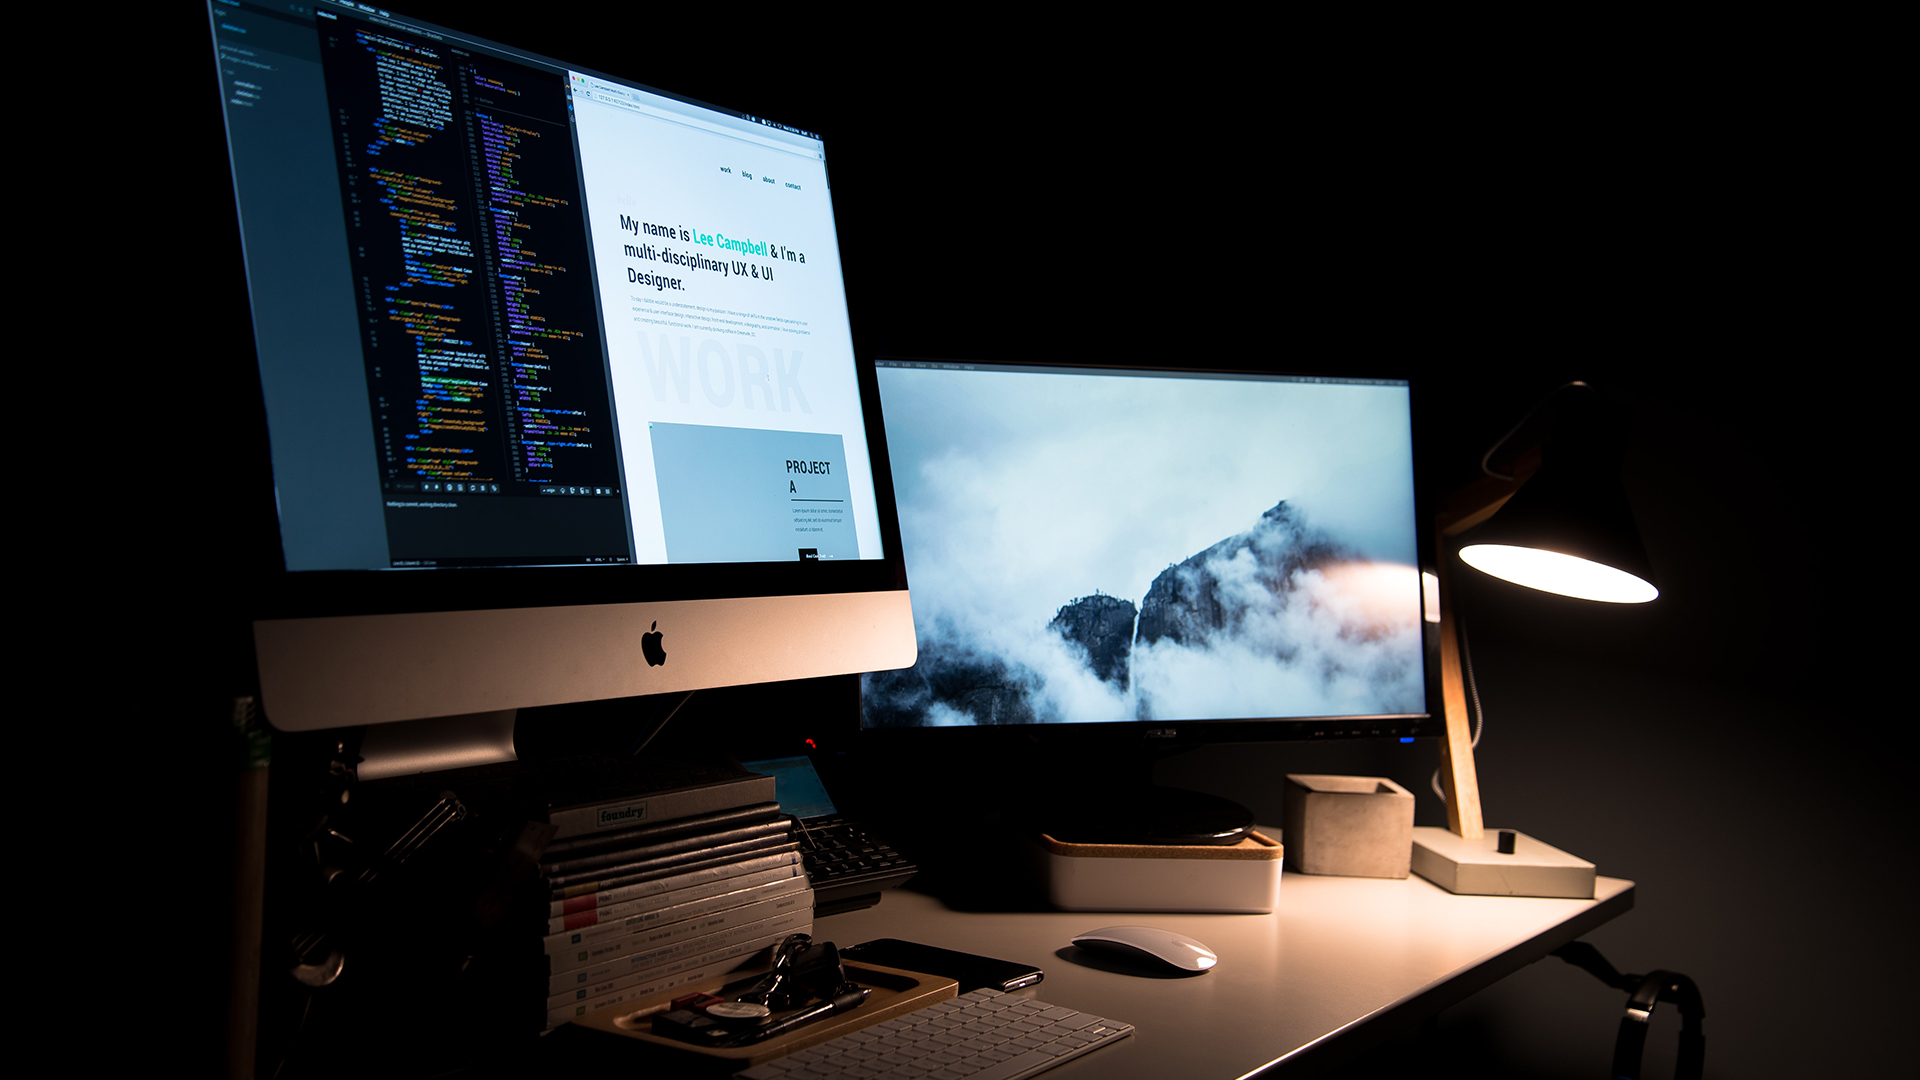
751, 495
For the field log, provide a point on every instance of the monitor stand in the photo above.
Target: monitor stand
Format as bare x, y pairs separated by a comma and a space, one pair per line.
437, 744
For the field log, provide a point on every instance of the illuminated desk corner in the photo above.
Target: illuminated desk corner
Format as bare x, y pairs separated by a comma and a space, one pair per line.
1340, 965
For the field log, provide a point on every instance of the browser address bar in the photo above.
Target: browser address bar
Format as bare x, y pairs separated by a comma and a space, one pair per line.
611, 94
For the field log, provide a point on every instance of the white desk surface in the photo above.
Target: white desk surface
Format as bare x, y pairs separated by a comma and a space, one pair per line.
1340, 962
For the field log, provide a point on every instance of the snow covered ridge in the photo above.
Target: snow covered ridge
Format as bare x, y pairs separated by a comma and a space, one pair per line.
1283, 619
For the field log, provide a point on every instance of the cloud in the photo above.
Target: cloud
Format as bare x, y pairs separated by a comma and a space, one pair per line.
1276, 621
1316, 649
1020, 492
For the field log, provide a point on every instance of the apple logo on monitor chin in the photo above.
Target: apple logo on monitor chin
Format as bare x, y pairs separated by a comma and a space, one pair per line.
650, 646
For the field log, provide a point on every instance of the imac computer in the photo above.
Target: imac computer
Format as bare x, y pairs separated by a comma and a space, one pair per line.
1116, 562
558, 380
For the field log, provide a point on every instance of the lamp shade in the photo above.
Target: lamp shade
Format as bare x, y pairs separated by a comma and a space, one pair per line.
1568, 530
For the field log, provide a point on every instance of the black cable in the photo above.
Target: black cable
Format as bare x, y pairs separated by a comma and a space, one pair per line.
640, 742
293, 1038
1487, 458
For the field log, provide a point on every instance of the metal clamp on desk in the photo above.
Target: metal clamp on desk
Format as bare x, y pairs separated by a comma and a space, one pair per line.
1644, 992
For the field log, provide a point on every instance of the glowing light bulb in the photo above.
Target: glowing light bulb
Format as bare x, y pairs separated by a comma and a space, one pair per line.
1550, 571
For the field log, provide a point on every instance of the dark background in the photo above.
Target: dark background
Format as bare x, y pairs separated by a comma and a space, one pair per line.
1491, 210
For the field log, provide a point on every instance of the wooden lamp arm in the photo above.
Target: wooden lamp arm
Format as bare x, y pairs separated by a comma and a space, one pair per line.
1458, 777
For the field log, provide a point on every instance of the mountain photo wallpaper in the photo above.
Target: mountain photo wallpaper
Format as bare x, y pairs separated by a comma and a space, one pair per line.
1099, 546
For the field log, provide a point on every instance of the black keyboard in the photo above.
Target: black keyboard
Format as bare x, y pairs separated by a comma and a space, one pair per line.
847, 864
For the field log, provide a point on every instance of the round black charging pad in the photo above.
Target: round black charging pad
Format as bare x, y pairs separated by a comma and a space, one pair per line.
1152, 815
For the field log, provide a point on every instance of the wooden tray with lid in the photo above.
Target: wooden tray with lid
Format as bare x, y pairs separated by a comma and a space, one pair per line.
894, 992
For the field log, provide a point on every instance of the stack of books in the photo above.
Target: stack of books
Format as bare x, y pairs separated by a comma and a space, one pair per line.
635, 911
639, 875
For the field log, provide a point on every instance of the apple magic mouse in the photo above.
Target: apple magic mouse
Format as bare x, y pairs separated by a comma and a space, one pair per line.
1149, 944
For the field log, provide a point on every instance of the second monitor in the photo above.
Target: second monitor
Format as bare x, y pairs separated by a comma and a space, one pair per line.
1154, 548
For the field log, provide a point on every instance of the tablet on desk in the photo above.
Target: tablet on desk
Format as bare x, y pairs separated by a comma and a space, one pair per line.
971, 970
847, 864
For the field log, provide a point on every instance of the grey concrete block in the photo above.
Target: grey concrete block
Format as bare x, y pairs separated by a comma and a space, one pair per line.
1350, 826
1477, 868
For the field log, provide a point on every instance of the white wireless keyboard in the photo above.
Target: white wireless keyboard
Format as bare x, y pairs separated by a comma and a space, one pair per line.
984, 1035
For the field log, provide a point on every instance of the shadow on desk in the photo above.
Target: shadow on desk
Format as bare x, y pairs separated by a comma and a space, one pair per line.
982, 868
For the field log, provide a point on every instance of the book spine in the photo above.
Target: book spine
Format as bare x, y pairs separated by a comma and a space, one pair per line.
621, 876
661, 920
641, 985
682, 889
624, 813
665, 881
641, 836
665, 944
601, 863
737, 943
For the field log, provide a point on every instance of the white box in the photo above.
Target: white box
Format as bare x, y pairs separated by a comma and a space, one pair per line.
1243, 878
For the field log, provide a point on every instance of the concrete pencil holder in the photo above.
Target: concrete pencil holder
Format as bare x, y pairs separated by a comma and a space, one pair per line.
1349, 826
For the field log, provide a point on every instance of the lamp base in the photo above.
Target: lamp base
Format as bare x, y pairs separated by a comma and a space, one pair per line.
1477, 867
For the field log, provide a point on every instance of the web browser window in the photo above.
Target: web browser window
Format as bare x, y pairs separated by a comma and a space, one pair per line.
727, 332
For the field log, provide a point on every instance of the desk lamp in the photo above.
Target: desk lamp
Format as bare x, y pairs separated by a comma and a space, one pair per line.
1560, 523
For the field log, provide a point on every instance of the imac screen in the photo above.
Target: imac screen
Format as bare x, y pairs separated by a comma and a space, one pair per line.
512, 313
1097, 545
558, 380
